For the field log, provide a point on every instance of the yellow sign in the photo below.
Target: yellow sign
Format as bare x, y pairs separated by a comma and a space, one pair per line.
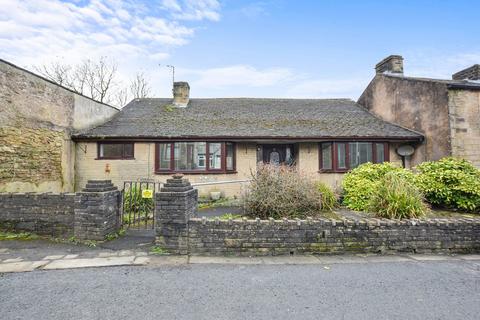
147, 193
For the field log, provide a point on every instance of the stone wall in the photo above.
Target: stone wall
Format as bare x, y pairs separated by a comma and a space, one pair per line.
91, 214
37, 118
464, 110
29, 155
178, 233
97, 210
44, 214
174, 205
263, 237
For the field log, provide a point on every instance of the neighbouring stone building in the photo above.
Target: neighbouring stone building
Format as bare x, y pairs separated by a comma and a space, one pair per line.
446, 112
37, 119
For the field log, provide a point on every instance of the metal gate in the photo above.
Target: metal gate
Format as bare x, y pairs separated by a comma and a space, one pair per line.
138, 209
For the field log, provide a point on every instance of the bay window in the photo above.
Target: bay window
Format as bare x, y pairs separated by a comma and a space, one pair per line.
191, 157
344, 156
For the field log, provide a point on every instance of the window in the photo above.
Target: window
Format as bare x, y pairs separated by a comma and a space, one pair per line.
326, 156
165, 156
380, 152
194, 157
360, 152
229, 148
115, 150
215, 155
189, 156
343, 156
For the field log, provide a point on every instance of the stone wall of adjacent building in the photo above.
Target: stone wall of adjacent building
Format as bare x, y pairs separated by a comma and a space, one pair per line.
41, 213
416, 104
91, 214
464, 109
273, 237
37, 118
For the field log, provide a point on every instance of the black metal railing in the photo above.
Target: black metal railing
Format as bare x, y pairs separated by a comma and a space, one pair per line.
138, 208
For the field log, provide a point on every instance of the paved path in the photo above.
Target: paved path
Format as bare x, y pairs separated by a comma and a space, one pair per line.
362, 289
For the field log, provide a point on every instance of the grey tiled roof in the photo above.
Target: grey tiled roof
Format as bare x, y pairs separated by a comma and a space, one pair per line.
247, 118
465, 84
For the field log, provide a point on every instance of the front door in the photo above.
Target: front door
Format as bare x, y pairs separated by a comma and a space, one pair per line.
277, 154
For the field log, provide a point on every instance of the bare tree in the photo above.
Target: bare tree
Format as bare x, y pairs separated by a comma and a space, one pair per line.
97, 80
56, 72
101, 79
139, 87
122, 97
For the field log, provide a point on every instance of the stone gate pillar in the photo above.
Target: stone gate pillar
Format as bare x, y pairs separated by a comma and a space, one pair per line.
174, 205
97, 210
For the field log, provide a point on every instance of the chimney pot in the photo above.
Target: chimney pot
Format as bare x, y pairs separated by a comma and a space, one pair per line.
391, 64
471, 73
181, 94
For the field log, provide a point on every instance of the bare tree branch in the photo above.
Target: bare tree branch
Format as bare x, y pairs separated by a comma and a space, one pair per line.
97, 80
122, 97
56, 72
139, 87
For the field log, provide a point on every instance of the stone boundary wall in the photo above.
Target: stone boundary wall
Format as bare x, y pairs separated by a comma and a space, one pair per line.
90, 215
41, 213
178, 232
272, 237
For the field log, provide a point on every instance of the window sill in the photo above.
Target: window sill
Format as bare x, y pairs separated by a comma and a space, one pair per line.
332, 171
114, 158
194, 172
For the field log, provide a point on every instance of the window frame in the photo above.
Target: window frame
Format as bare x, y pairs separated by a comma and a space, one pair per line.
334, 155
122, 157
207, 170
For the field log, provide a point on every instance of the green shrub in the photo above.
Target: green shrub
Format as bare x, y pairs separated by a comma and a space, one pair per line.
397, 198
329, 200
280, 191
450, 182
362, 182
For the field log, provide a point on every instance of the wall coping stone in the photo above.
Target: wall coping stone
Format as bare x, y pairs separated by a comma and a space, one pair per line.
369, 221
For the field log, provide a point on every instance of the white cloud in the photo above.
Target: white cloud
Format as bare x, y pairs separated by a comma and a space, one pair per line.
328, 88
434, 65
193, 9
254, 10
239, 75
250, 81
136, 35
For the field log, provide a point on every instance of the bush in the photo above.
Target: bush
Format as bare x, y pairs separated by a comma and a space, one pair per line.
397, 198
360, 184
450, 182
329, 200
279, 191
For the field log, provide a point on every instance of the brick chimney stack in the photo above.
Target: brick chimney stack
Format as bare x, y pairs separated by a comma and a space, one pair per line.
181, 94
472, 73
392, 64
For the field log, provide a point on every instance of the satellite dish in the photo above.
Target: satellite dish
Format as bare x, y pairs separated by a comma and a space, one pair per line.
405, 150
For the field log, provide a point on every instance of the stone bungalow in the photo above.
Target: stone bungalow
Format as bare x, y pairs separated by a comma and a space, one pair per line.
212, 140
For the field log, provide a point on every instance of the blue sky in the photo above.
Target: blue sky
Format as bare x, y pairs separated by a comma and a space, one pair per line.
232, 48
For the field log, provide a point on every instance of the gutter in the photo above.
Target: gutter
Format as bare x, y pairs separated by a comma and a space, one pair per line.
79, 138
464, 86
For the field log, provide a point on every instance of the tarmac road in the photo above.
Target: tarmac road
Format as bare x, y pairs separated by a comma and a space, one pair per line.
391, 290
